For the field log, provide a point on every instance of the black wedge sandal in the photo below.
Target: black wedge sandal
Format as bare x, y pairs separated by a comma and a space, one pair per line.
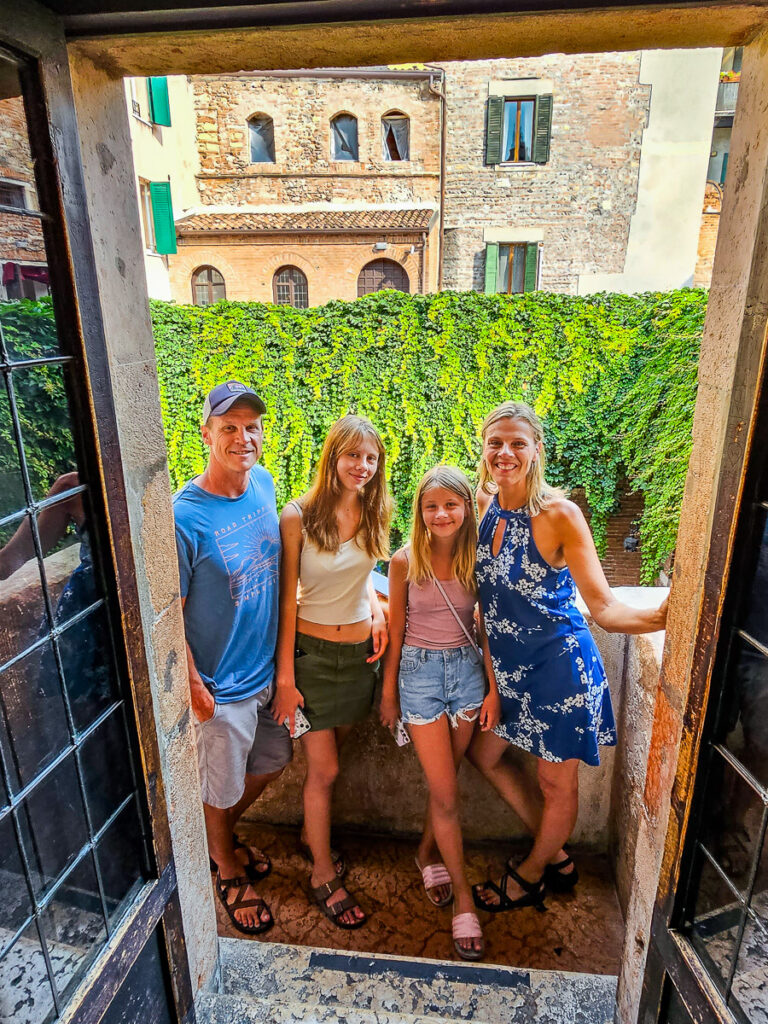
557, 879
533, 893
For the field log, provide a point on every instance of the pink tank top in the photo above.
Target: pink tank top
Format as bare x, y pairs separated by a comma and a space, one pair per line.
430, 622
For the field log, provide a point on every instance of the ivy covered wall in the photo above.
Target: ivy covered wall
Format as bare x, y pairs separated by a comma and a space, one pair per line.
613, 376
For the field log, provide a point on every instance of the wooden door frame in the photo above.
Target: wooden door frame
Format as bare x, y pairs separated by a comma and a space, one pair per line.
53, 129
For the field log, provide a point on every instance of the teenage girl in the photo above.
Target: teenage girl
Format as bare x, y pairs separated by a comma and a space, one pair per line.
435, 659
332, 628
534, 550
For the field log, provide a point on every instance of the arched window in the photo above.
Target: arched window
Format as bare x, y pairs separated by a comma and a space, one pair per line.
395, 131
344, 137
289, 288
207, 286
261, 138
380, 274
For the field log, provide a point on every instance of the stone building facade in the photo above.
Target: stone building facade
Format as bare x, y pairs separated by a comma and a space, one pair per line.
622, 165
23, 272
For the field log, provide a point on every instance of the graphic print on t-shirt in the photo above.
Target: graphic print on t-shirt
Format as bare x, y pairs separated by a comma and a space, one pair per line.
250, 552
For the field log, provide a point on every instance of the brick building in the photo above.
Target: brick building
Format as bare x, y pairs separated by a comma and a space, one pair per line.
24, 272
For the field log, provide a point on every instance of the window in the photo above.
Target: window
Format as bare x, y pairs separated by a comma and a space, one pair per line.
261, 133
207, 286
518, 129
380, 274
140, 97
12, 195
394, 136
344, 137
159, 104
24, 281
147, 221
511, 268
289, 288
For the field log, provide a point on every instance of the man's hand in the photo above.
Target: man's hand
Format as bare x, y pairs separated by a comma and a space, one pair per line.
287, 698
203, 704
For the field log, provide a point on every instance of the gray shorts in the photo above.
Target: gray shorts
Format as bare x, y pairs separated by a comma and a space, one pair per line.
241, 739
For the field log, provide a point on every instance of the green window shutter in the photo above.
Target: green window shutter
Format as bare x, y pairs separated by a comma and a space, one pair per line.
531, 266
493, 129
162, 216
159, 107
542, 129
491, 267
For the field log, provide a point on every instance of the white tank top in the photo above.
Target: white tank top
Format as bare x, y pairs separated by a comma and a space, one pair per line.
333, 585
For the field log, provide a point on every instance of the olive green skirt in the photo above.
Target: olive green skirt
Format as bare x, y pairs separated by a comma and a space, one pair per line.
335, 680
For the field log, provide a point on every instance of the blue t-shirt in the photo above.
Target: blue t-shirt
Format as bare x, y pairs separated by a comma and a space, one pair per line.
229, 563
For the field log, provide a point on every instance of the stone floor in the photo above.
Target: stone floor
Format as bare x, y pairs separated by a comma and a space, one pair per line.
580, 932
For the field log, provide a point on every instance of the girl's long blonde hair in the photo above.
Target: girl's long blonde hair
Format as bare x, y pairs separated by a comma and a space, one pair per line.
538, 493
318, 505
465, 547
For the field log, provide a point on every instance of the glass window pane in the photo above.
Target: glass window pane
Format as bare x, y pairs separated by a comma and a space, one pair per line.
15, 904
34, 723
23, 618
716, 919
89, 670
525, 151
105, 791
732, 828
12, 497
759, 899
45, 425
518, 269
120, 855
25, 991
262, 140
510, 129
755, 618
29, 332
344, 137
502, 284
73, 924
750, 980
53, 825
745, 708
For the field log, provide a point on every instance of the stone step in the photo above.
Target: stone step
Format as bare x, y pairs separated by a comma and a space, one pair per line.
229, 1009
378, 984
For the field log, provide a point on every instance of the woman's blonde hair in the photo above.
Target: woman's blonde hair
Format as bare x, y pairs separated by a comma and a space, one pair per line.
538, 494
318, 505
465, 546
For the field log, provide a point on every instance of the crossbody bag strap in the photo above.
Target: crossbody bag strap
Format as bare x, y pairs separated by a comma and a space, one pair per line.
456, 616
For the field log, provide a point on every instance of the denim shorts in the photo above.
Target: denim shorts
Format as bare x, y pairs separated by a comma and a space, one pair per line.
433, 683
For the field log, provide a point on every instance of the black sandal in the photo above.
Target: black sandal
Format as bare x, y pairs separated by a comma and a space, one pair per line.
557, 880
242, 883
534, 893
322, 893
254, 873
338, 858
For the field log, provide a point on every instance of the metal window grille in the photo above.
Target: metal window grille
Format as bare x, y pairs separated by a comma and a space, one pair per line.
380, 274
289, 287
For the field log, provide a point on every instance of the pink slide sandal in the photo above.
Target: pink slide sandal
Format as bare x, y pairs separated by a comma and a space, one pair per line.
467, 926
434, 875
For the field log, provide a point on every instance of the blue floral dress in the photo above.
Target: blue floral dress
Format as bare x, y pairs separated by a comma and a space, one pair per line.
554, 693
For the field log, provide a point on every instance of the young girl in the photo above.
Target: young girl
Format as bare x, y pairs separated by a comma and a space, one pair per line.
332, 632
442, 685
534, 549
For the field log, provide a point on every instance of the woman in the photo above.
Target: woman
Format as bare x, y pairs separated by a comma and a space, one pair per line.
332, 629
534, 550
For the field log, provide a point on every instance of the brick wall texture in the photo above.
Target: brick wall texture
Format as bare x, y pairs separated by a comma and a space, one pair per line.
21, 239
582, 199
622, 568
710, 224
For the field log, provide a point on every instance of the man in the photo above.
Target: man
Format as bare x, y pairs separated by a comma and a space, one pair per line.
228, 542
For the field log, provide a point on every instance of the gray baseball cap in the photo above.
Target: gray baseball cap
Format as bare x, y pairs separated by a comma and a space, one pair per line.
223, 396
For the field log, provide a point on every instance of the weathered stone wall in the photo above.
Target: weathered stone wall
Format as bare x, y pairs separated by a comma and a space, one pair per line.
583, 198
303, 171
21, 239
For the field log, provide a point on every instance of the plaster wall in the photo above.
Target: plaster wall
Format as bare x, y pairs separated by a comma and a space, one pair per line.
163, 153
110, 184
664, 230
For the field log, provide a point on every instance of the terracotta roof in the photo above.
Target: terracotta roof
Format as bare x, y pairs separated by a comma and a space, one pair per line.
414, 219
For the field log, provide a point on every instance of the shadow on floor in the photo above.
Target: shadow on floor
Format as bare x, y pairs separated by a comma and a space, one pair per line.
580, 932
